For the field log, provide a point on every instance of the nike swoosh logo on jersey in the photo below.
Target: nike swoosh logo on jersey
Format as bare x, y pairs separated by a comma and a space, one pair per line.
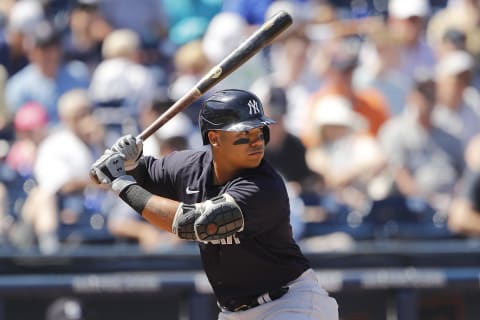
188, 191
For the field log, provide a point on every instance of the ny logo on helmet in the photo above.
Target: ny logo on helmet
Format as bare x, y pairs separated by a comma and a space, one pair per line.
253, 107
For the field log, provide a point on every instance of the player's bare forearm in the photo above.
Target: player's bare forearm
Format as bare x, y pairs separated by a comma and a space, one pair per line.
160, 212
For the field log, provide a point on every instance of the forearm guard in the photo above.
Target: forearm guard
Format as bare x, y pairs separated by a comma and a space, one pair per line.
214, 219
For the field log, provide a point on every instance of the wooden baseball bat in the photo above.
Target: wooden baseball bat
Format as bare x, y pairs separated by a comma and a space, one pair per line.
257, 41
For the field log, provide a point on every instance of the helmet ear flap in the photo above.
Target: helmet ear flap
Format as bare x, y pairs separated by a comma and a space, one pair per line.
266, 134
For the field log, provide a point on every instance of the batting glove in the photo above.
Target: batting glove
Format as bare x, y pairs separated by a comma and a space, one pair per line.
131, 148
108, 167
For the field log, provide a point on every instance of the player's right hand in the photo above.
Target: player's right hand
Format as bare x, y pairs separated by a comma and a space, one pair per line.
131, 148
108, 167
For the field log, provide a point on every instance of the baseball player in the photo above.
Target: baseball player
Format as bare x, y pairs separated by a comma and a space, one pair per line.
233, 203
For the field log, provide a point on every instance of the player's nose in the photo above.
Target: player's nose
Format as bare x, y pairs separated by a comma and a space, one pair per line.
257, 139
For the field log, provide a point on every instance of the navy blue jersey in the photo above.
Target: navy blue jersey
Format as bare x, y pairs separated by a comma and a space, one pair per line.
260, 258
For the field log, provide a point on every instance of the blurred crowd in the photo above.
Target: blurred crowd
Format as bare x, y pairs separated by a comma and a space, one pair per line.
377, 106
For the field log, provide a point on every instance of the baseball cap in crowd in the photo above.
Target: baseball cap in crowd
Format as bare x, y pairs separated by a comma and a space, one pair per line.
454, 63
403, 9
337, 110
30, 116
44, 35
224, 32
25, 15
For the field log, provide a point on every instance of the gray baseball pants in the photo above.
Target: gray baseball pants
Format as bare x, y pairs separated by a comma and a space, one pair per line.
305, 300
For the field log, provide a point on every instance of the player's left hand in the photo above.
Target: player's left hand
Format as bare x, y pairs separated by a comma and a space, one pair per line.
109, 167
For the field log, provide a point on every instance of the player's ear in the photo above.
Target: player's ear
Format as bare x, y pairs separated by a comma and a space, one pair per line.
213, 138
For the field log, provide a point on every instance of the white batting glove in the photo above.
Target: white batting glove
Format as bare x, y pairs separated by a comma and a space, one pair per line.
131, 148
108, 167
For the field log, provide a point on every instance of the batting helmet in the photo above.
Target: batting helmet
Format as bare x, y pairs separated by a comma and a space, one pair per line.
232, 110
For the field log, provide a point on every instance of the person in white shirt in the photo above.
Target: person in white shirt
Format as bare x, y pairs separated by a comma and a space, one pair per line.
62, 170
458, 109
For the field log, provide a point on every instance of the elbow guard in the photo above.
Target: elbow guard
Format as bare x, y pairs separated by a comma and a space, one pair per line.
214, 219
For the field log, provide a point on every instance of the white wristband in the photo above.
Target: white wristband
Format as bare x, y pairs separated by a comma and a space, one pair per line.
119, 184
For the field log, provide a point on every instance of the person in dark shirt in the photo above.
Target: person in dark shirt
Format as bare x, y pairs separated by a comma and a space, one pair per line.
286, 152
233, 203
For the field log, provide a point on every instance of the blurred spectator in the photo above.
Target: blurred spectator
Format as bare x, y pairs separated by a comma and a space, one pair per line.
6, 131
346, 158
6, 178
120, 78
380, 69
458, 110
224, 33
284, 150
286, 153
464, 213
406, 21
45, 78
22, 18
30, 124
57, 204
120, 85
191, 64
369, 103
145, 17
425, 161
291, 69
57, 11
452, 40
4, 113
5, 6
188, 29
176, 134
86, 31
178, 10
463, 16
188, 19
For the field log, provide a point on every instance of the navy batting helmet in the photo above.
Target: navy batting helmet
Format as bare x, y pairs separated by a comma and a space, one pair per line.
232, 110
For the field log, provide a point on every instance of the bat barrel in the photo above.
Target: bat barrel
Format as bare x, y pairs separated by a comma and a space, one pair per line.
257, 41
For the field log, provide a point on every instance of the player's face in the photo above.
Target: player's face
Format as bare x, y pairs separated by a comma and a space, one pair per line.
243, 149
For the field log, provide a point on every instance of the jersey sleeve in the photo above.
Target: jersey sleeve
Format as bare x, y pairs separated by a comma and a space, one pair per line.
263, 201
158, 175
